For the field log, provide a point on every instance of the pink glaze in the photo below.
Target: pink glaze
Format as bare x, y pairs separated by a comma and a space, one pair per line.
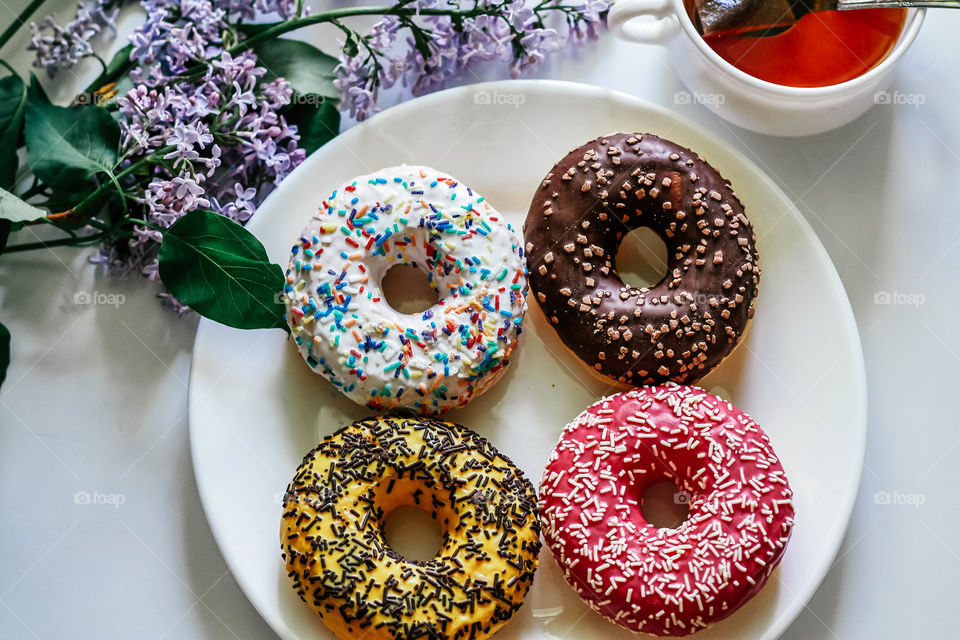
669, 582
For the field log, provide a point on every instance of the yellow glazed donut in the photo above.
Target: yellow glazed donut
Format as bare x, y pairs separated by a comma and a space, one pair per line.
341, 565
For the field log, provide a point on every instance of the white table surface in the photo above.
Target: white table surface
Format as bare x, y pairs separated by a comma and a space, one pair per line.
96, 402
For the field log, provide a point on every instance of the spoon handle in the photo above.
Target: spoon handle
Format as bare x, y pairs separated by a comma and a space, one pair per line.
887, 4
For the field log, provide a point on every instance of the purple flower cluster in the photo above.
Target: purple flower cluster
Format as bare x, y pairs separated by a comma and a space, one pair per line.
207, 139
247, 10
217, 142
440, 46
60, 47
217, 139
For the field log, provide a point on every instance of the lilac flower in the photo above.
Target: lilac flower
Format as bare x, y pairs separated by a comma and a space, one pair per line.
432, 72
486, 38
62, 47
533, 49
514, 30
225, 131
169, 199
383, 34
591, 18
284, 8
244, 197
213, 161
185, 137
250, 9
356, 86
146, 39
237, 9
96, 12
277, 93
219, 140
241, 207
176, 32
518, 14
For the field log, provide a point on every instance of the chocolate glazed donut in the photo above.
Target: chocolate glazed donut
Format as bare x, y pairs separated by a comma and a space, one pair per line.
682, 327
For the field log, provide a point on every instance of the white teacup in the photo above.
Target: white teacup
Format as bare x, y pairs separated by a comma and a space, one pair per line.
741, 98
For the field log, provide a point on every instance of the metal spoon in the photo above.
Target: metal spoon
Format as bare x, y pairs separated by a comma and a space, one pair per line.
769, 17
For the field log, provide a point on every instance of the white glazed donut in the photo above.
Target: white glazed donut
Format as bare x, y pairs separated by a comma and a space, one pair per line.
430, 361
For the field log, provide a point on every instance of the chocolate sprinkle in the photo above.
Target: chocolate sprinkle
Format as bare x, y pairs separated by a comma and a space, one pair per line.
361, 586
678, 329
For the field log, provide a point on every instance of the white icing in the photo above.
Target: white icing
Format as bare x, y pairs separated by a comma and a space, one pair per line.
475, 262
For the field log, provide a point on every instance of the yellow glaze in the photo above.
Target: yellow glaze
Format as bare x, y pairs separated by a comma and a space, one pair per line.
340, 564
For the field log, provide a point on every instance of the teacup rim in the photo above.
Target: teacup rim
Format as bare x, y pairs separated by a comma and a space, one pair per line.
911, 27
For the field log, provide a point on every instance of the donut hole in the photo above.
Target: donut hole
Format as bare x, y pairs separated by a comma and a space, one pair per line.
413, 533
407, 289
641, 259
664, 505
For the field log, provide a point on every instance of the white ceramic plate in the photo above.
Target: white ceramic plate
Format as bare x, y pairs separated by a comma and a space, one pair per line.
256, 409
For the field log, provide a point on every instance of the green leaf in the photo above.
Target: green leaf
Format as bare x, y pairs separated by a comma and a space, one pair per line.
119, 60
4, 352
421, 42
351, 46
306, 68
317, 124
66, 146
221, 271
119, 63
310, 72
13, 107
16, 210
36, 92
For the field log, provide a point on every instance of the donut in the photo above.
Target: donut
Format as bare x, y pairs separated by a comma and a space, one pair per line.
342, 567
676, 330
347, 332
668, 582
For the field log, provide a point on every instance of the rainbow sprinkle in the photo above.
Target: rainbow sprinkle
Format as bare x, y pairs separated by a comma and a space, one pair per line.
345, 330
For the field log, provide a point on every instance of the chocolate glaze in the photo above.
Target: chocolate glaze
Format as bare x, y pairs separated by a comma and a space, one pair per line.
678, 329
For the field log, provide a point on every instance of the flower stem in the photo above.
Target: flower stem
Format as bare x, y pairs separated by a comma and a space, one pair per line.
145, 223
59, 242
19, 21
348, 12
134, 166
336, 14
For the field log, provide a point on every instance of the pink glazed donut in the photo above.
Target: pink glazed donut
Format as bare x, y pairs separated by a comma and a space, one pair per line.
668, 582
